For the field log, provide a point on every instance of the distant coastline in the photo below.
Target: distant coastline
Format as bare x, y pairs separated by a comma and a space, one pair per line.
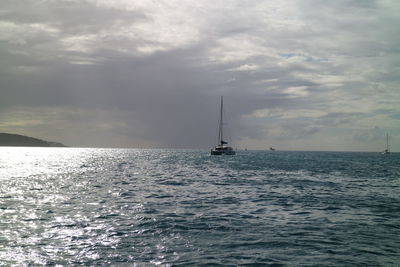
7, 139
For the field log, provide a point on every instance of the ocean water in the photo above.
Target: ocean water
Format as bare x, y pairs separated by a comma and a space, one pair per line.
132, 207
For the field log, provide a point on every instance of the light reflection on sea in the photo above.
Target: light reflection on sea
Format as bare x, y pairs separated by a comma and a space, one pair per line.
105, 207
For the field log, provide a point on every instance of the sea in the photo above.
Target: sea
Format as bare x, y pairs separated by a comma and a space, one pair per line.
162, 207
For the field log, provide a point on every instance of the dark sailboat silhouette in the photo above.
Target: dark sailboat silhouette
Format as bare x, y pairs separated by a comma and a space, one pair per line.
222, 148
387, 150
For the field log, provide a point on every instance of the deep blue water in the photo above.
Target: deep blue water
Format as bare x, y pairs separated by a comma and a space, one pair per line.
130, 207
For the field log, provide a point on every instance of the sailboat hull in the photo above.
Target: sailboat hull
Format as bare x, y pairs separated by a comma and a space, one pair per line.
214, 152
223, 151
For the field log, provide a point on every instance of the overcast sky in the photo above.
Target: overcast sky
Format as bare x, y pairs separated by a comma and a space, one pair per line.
295, 74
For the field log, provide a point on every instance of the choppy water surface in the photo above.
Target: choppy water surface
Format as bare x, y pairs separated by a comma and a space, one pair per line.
127, 207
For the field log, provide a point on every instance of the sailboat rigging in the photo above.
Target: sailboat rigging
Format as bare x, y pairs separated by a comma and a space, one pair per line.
221, 148
387, 150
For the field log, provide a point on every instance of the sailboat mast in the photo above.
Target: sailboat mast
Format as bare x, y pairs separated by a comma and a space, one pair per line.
220, 130
387, 142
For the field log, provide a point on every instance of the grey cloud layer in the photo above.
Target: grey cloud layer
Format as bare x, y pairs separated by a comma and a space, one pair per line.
157, 70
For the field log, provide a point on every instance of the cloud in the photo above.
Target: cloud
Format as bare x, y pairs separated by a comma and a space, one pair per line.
153, 71
370, 135
340, 118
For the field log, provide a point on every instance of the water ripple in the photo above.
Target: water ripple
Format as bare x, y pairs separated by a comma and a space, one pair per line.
127, 207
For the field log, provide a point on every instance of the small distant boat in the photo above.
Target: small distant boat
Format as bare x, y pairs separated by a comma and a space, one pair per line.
222, 148
272, 149
387, 150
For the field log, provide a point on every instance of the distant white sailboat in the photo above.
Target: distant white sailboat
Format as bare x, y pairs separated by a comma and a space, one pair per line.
387, 150
221, 148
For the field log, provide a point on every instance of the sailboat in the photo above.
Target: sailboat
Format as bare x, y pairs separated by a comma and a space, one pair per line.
387, 151
222, 148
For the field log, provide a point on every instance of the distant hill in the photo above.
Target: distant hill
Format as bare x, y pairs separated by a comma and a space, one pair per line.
7, 139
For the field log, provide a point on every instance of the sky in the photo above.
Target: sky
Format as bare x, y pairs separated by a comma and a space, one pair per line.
295, 74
